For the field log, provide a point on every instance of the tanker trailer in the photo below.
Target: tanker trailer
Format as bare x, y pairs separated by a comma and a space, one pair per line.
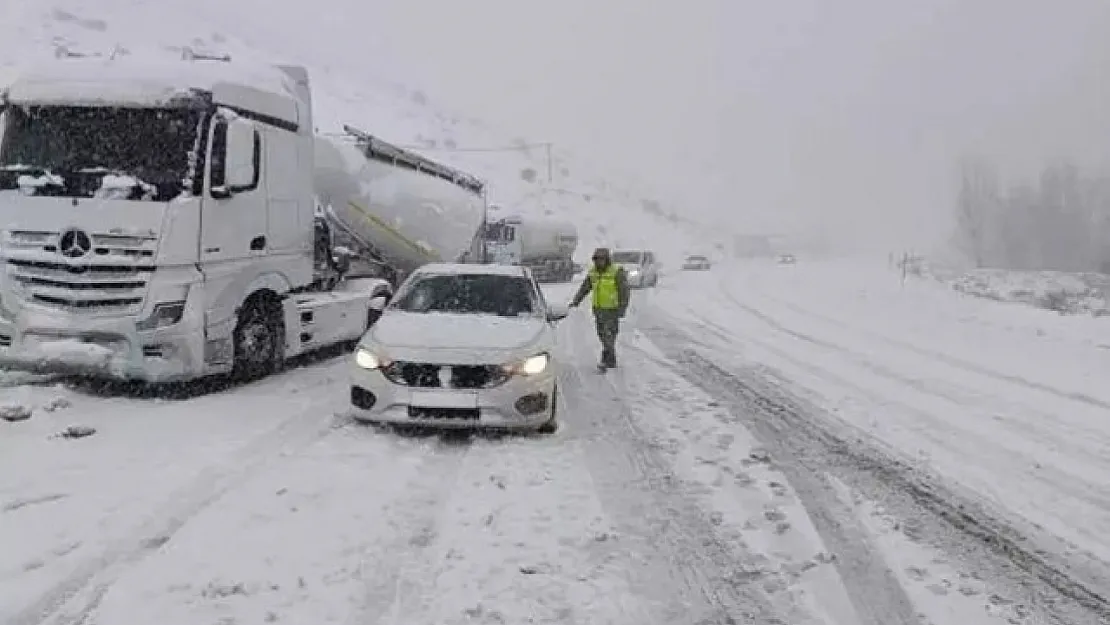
395, 206
545, 245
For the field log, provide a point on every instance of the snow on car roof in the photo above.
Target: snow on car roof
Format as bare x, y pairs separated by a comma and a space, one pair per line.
155, 82
472, 269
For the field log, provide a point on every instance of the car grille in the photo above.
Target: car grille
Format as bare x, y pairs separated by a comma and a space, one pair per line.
427, 375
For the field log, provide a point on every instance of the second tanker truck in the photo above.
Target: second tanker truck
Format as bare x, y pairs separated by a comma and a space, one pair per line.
543, 244
172, 220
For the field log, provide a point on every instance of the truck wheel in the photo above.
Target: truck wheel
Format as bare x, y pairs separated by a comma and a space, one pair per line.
258, 342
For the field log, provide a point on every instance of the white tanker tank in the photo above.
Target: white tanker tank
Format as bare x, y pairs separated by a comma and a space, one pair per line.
401, 208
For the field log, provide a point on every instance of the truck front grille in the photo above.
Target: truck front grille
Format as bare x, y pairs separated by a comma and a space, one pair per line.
91, 288
111, 278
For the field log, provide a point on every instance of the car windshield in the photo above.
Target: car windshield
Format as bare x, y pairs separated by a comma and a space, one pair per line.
85, 151
628, 258
482, 294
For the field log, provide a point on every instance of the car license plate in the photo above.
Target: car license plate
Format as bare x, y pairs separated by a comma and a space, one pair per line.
453, 399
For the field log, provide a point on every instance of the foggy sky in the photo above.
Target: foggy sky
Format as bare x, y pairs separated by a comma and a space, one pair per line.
847, 113
848, 116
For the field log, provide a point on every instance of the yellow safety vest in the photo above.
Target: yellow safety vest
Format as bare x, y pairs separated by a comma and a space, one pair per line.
606, 295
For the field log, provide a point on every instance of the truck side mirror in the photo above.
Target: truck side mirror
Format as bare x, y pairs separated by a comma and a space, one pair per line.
243, 155
378, 303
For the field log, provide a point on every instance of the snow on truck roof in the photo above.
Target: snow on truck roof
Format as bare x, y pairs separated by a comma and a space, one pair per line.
130, 81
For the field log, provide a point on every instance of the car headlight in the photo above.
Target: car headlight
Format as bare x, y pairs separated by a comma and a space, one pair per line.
533, 365
369, 360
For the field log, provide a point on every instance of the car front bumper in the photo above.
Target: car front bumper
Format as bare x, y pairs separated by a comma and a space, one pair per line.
519, 403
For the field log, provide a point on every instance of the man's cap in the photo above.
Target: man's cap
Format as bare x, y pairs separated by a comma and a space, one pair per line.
601, 253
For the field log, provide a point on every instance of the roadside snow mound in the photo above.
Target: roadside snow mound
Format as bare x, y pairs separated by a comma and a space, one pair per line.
1065, 293
350, 89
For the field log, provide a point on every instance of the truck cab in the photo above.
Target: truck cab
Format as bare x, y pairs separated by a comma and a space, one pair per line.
159, 219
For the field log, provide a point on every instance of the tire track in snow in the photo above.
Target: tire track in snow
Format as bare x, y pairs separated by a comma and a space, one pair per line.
1057, 476
1080, 564
952, 361
690, 567
415, 519
77, 596
874, 590
810, 446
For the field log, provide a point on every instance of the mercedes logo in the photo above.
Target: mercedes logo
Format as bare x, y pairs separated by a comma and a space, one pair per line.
74, 243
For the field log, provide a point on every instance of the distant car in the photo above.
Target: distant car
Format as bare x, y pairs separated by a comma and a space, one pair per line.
461, 346
786, 259
640, 266
696, 262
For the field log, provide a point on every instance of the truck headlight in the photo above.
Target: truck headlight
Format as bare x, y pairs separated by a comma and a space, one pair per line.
369, 360
533, 365
164, 314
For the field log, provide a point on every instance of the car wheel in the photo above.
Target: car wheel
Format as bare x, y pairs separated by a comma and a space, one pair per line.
552, 424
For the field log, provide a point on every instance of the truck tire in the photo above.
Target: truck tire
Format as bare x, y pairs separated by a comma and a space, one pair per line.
258, 339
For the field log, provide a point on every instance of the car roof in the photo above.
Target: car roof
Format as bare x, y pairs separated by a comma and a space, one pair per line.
465, 269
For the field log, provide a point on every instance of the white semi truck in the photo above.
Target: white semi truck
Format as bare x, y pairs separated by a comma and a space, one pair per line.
544, 245
167, 220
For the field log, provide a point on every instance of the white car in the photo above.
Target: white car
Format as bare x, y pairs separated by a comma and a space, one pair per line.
461, 346
640, 267
696, 262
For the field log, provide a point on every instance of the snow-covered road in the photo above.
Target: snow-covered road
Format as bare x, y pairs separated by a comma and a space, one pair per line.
1002, 407
260, 504
695, 485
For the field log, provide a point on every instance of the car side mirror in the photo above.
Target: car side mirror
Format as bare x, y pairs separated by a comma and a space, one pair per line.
557, 312
378, 303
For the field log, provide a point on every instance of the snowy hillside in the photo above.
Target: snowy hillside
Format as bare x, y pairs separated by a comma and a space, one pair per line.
348, 89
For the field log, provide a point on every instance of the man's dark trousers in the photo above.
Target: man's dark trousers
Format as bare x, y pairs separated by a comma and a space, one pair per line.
608, 323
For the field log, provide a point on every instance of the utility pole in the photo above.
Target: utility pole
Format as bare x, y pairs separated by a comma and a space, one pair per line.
547, 149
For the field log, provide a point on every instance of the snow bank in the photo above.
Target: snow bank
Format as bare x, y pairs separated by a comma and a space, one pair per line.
1065, 293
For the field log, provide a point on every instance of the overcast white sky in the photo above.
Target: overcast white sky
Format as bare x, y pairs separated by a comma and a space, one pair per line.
845, 114
850, 113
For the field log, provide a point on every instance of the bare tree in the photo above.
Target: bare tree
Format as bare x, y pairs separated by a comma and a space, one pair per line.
976, 206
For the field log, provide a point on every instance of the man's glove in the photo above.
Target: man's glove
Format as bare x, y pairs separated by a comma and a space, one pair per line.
622, 312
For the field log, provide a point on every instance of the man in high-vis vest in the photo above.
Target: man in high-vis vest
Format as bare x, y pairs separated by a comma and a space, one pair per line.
611, 294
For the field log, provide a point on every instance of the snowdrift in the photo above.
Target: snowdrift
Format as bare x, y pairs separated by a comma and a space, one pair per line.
1057, 291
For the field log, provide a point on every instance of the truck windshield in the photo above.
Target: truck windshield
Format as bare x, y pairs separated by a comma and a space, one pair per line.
483, 294
120, 153
627, 258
